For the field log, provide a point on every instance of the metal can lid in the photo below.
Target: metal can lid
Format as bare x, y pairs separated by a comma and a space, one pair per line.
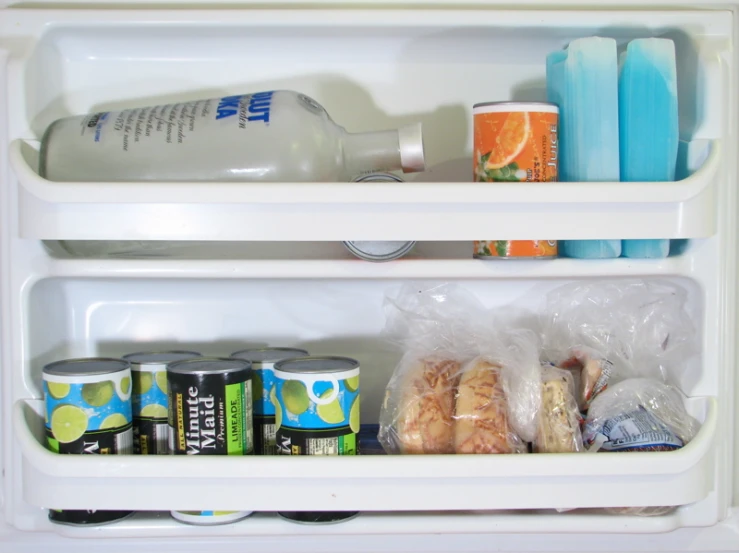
209, 365
258, 355
160, 357
86, 366
317, 365
377, 177
535, 107
380, 250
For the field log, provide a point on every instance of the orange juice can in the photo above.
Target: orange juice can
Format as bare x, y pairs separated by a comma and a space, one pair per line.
515, 142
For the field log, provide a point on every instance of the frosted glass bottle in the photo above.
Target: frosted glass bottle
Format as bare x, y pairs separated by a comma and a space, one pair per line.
276, 136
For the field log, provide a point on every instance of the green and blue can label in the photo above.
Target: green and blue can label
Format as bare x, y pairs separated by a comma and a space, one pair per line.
263, 361
317, 406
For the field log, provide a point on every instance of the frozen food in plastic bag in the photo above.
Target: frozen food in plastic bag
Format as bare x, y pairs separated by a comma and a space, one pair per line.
417, 415
615, 330
434, 325
590, 374
516, 351
559, 418
639, 414
481, 422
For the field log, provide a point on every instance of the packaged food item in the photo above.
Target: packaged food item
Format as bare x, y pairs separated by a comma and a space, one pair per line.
481, 412
263, 380
149, 399
88, 412
638, 414
273, 136
559, 419
607, 331
198, 389
317, 413
590, 374
515, 142
419, 409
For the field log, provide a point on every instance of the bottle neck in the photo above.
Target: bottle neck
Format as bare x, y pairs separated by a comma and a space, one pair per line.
369, 152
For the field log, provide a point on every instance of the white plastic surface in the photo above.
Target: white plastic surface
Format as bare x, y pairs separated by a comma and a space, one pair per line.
401, 483
391, 69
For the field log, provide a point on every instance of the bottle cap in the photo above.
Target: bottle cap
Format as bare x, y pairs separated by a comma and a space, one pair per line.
410, 140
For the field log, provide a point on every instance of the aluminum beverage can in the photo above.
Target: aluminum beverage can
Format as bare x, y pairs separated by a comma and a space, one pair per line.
210, 413
262, 362
149, 399
515, 142
88, 412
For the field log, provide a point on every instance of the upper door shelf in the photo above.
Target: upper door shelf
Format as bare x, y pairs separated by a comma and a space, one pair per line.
371, 70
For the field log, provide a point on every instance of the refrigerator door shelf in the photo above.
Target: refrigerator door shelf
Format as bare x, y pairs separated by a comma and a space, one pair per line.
335, 211
366, 483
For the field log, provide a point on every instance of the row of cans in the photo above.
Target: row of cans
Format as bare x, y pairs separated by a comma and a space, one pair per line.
264, 401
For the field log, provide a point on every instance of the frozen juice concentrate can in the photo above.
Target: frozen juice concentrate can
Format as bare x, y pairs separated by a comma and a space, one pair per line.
317, 413
515, 142
149, 399
88, 412
210, 413
262, 362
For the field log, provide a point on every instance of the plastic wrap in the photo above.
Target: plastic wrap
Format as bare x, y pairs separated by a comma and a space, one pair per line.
417, 415
516, 351
639, 414
481, 420
559, 420
609, 331
434, 324
462, 385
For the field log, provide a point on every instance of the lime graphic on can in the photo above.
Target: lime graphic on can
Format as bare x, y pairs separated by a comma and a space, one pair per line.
317, 404
149, 399
88, 412
210, 413
318, 399
266, 417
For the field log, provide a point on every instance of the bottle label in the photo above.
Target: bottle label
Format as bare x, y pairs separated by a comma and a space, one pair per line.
173, 123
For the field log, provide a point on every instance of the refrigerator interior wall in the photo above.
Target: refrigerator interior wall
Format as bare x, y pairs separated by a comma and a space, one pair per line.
391, 69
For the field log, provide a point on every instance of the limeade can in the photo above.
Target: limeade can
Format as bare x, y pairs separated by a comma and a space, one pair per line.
210, 413
316, 413
88, 412
262, 363
515, 142
149, 399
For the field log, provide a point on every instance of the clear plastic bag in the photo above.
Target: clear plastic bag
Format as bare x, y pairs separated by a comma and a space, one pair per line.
462, 386
481, 415
559, 420
516, 351
434, 325
639, 414
417, 414
609, 331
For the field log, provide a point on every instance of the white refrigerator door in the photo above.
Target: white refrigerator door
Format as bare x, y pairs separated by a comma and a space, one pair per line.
285, 279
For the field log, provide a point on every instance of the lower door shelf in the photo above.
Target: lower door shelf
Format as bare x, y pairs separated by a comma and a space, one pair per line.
364, 483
